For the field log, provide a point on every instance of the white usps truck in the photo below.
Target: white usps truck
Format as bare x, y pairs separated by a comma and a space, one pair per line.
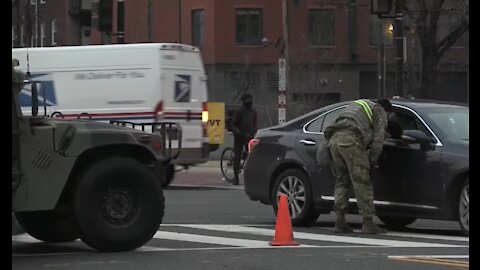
139, 83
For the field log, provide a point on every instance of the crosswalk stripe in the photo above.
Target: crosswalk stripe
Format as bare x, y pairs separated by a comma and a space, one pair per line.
317, 237
226, 241
425, 236
431, 256
428, 236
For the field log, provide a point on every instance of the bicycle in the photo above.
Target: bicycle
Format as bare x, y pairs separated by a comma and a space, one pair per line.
226, 163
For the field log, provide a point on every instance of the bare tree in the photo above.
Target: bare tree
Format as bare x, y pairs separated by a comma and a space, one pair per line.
437, 24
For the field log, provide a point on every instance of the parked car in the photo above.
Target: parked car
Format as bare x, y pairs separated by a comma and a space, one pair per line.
423, 173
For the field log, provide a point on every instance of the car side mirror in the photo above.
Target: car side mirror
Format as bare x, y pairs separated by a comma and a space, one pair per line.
418, 136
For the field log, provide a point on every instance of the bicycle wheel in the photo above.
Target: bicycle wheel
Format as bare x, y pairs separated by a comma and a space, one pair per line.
226, 164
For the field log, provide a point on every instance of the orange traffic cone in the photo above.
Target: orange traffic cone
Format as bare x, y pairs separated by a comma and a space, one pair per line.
283, 228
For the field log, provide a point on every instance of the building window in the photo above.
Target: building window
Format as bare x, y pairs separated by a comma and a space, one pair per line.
42, 33
54, 31
380, 29
321, 27
249, 26
198, 33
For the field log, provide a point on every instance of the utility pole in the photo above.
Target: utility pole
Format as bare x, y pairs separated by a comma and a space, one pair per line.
179, 21
120, 21
149, 18
36, 23
17, 25
28, 23
381, 78
283, 68
400, 46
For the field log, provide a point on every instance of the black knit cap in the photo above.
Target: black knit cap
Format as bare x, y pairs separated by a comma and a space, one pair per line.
246, 97
386, 104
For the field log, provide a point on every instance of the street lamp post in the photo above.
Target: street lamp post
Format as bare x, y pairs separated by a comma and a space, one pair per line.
400, 44
382, 9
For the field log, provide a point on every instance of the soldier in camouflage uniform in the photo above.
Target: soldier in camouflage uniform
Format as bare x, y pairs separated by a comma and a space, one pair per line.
355, 143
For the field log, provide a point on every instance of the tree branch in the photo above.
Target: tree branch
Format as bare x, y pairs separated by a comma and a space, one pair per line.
445, 44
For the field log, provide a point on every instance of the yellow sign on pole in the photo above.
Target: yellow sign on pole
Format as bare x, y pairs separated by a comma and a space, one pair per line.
216, 122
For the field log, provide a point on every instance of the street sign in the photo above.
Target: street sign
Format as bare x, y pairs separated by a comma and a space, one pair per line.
282, 99
281, 115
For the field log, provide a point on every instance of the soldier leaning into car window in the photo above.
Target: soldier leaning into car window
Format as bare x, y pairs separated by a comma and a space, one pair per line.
355, 141
244, 126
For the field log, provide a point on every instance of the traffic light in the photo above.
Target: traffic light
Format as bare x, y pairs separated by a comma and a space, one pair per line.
105, 10
380, 7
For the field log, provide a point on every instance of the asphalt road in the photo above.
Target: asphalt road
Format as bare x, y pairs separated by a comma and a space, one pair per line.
222, 229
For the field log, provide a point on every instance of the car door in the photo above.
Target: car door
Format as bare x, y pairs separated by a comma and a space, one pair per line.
306, 145
406, 175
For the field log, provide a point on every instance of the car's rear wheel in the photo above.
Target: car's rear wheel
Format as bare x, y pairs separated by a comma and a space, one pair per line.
396, 222
295, 185
464, 207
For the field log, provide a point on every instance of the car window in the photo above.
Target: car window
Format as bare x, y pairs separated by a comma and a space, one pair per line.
316, 125
407, 121
454, 123
331, 117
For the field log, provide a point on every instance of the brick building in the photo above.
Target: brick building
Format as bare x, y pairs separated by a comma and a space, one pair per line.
332, 48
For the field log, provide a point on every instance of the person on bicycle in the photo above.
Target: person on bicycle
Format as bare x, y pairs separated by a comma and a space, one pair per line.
244, 127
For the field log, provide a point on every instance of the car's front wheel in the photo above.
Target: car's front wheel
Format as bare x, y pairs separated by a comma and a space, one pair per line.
464, 207
119, 204
295, 185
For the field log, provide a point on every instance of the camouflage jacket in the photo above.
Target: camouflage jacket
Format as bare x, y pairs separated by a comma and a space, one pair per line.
370, 127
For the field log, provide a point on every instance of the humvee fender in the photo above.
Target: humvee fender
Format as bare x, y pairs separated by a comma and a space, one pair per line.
75, 145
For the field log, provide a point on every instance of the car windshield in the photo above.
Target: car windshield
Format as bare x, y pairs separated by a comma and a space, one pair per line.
453, 122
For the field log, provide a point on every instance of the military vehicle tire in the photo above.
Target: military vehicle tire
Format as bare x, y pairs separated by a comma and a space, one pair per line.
119, 204
295, 184
48, 226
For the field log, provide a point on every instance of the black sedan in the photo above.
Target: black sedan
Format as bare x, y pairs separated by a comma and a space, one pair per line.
423, 171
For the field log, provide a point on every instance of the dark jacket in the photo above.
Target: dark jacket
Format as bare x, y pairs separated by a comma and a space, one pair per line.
244, 124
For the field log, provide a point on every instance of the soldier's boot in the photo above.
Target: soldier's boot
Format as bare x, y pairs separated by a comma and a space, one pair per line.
341, 226
369, 227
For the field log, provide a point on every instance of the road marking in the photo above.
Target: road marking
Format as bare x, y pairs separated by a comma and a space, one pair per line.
225, 241
429, 236
237, 243
433, 256
318, 237
434, 259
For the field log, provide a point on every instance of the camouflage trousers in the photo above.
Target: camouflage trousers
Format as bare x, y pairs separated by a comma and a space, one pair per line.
352, 170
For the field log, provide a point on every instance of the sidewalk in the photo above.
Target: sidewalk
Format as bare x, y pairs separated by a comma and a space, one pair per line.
204, 176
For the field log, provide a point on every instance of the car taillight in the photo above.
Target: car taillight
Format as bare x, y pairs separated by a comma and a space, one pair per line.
159, 111
251, 144
205, 121
205, 112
